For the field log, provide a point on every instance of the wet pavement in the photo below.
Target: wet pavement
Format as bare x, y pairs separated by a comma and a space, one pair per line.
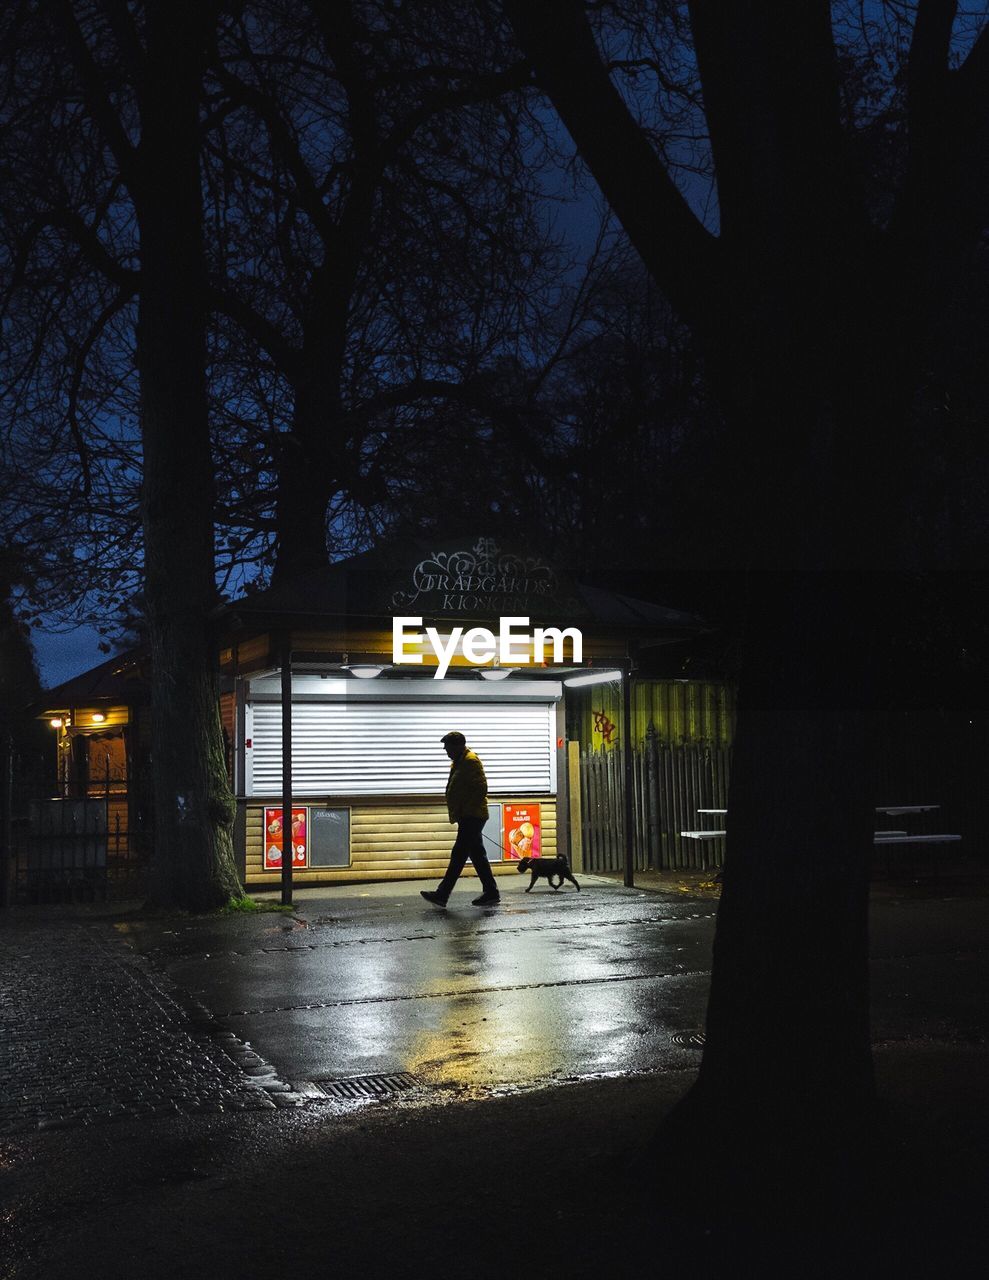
117, 1014
111, 1015
167, 1069
545, 986
91, 1034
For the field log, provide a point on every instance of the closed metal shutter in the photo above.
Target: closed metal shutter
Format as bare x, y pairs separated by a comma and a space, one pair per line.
392, 749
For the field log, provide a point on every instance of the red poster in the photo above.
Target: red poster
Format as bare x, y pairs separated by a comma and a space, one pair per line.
273, 839
521, 831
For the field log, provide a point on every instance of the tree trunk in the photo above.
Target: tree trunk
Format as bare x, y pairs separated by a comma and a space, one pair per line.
793, 344
306, 479
786, 1094
788, 1024
309, 466
193, 807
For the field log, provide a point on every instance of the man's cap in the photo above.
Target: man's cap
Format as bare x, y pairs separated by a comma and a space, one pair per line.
453, 736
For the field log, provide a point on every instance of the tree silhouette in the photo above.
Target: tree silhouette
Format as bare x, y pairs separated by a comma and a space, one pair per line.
812, 309
337, 342
364, 261
138, 85
373, 256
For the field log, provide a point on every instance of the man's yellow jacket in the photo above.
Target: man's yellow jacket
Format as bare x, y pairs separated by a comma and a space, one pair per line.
467, 789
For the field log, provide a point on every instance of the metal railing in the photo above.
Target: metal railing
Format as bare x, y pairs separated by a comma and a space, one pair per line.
76, 848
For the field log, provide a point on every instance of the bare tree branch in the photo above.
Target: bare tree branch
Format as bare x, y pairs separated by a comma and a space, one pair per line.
95, 90
267, 335
75, 385
285, 147
927, 67
682, 255
87, 240
974, 71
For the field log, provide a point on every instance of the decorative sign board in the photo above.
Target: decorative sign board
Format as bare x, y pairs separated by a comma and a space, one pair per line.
485, 579
273, 838
521, 831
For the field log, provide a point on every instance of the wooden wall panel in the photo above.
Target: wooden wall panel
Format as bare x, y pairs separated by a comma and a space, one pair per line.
390, 842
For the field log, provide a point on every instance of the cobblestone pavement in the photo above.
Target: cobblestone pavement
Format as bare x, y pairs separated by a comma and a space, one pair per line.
90, 1033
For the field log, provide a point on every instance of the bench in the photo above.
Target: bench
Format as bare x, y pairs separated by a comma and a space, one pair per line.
882, 837
888, 839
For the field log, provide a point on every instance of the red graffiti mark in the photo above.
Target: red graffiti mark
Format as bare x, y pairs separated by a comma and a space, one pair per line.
603, 726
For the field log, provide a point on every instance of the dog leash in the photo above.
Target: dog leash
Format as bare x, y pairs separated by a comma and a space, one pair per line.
499, 846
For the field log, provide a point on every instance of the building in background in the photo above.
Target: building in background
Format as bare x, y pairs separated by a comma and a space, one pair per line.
368, 769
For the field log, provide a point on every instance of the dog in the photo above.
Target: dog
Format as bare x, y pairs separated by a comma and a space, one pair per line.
552, 868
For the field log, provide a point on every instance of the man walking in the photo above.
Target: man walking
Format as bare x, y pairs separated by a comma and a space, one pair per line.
467, 805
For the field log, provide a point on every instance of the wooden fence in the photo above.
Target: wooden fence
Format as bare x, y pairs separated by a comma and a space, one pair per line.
670, 784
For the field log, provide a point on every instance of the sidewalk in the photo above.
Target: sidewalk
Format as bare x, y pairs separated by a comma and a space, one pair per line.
92, 1034
547, 1186
140, 1138
958, 878
693, 883
93, 1031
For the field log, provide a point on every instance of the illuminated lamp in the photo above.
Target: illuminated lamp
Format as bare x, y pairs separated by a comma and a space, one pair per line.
98, 717
593, 677
56, 722
365, 671
496, 673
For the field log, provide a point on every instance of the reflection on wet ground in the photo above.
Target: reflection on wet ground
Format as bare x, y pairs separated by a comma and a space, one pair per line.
116, 1017
549, 986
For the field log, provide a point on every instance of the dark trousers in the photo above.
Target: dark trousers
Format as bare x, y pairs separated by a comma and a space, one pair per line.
468, 844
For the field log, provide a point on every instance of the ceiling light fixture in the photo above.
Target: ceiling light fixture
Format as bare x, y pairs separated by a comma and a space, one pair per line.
594, 677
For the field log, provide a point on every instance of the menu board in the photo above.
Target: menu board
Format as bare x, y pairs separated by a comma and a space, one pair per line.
329, 837
273, 838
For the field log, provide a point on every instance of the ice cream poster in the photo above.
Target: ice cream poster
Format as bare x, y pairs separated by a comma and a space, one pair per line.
273, 839
522, 831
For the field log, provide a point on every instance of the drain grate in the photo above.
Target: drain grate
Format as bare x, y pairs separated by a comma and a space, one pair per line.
377, 1086
688, 1039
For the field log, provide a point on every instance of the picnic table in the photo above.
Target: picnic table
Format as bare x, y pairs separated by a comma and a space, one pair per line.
905, 837
883, 837
887, 839
705, 834
901, 837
